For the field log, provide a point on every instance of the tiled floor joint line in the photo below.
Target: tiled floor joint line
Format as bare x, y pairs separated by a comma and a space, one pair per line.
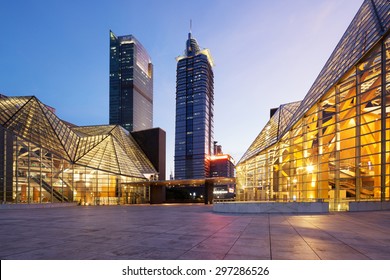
209, 238
346, 244
269, 234
235, 241
303, 238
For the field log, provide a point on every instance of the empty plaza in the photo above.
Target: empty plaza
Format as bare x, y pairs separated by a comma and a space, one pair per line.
192, 232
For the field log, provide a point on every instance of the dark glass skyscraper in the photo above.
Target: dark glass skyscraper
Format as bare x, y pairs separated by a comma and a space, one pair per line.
194, 112
131, 84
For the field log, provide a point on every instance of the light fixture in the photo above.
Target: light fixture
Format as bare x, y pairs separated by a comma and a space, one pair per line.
310, 168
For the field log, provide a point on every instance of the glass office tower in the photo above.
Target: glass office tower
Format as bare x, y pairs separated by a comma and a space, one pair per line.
131, 84
194, 112
334, 145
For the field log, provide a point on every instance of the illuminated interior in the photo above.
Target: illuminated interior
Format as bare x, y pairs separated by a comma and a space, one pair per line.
49, 160
334, 145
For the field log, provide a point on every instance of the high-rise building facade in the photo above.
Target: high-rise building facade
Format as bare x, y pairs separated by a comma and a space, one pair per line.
131, 84
222, 165
194, 112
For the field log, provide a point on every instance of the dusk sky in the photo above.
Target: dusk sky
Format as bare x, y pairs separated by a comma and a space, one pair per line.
267, 52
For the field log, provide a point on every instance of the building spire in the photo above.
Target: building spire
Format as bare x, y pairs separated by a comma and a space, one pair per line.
190, 33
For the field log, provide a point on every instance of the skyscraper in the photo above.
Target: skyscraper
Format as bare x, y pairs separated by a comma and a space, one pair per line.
131, 84
194, 112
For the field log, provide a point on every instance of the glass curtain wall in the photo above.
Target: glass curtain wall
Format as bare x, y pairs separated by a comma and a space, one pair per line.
43, 160
41, 176
338, 151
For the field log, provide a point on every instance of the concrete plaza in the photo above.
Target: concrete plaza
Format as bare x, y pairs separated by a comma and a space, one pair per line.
189, 232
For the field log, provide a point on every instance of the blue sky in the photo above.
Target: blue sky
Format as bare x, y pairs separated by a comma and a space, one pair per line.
267, 52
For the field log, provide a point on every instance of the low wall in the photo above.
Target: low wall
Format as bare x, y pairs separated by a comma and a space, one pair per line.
271, 207
355, 206
36, 205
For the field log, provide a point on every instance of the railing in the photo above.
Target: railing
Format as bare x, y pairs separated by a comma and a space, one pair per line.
56, 194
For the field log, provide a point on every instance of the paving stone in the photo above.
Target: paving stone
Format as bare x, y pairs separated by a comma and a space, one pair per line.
189, 232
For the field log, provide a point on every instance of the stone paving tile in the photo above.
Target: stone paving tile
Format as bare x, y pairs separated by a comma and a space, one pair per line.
228, 234
260, 252
189, 232
198, 231
228, 230
255, 242
294, 252
373, 251
289, 237
244, 257
65, 251
50, 254
209, 247
254, 234
330, 239
140, 253
216, 239
200, 255
332, 251
178, 243
295, 256
258, 230
379, 255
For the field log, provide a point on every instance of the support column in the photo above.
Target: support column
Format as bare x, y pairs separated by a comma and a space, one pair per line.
3, 172
40, 175
16, 169
51, 178
6, 170
306, 177
62, 179
157, 193
208, 191
268, 173
73, 183
323, 168
291, 171
358, 179
337, 149
383, 123
28, 172
97, 193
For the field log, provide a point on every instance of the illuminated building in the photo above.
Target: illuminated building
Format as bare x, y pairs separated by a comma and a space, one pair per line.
131, 84
44, 159
334, 145
222, 165
194, 112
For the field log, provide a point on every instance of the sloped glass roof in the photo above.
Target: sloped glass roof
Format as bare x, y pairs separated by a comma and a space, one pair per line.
269, 135
29, 121
368, 26
9, 106
366, 29
90, 137
132, 149
106, 147
93, 130
65, 134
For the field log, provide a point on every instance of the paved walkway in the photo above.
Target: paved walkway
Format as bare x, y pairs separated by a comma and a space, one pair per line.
189, 232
